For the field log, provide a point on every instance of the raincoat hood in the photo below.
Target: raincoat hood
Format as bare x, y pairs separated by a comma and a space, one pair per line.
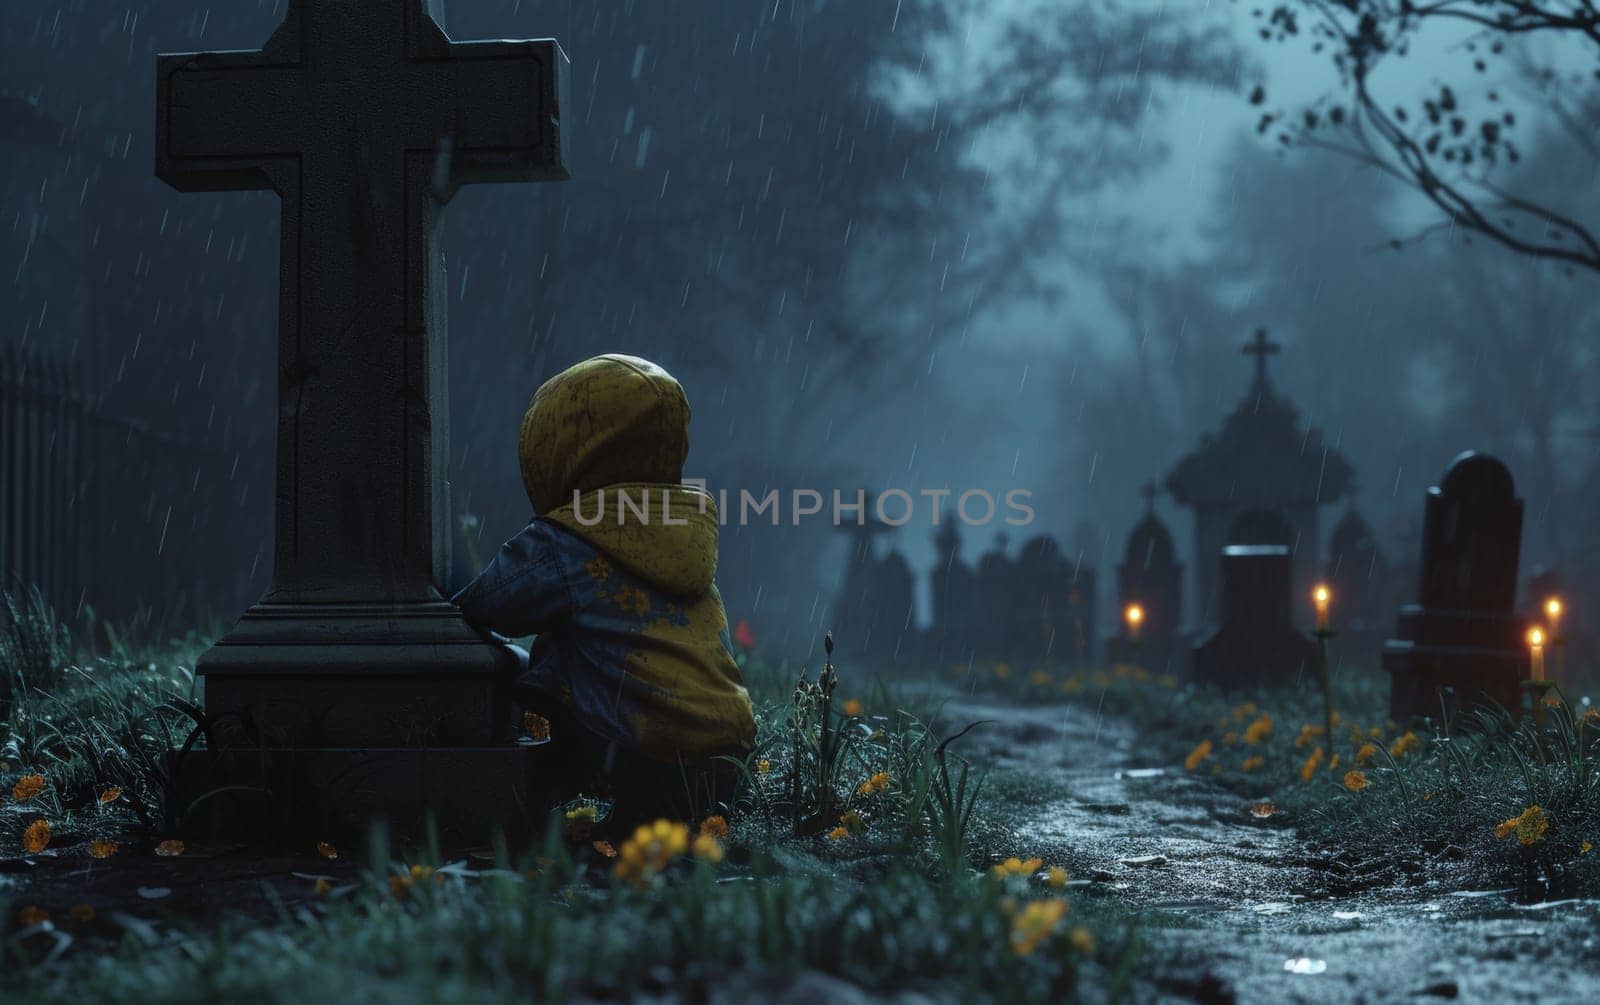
602, 451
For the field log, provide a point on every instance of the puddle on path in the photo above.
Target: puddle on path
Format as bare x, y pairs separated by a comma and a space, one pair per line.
1229, 898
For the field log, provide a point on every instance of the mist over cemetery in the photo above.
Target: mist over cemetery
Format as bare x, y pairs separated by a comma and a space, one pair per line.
1145, 451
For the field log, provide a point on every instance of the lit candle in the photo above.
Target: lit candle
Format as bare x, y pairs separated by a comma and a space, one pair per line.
1552, 614
1322, 597
1133, 615
1536, 653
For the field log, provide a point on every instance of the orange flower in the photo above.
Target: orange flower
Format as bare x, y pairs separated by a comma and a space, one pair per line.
170, 848
1198, 754
37, 837
1355, 781
102, 848
1366, 753
1081, 941
27, 787
1252, 763
1312, 764
1258, 731
1405, 742
1530, 826
715, 826
706, 848
1035, 923
852, 707
536, 726
876, 783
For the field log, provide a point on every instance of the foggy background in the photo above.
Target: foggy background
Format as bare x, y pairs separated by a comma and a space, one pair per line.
900, 244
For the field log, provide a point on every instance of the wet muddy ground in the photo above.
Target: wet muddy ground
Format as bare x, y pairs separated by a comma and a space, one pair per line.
1232, 907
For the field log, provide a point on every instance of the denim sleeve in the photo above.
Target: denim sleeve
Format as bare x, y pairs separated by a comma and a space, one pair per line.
522, 591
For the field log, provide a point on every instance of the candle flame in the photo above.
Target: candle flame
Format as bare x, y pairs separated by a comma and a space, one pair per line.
1133, 615
1536, 637
1321, 596
1552, 607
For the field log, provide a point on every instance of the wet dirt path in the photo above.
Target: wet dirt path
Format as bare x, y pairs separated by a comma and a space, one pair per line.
1235, 908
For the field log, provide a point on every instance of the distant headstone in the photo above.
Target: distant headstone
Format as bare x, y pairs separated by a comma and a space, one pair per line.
952, 586
1463, 639
874, 607
1257, 642
1151, 577
994, 601
1359, 577
1053, 607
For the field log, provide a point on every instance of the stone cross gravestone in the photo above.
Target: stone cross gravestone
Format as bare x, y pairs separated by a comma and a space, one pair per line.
1462, 640
1257, 643
364, 118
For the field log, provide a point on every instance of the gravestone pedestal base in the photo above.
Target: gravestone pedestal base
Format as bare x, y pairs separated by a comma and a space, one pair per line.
355, 675
324, 719
471, 795
1463, 656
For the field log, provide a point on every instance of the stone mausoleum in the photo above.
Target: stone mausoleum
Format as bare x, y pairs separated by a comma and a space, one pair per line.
1260, 480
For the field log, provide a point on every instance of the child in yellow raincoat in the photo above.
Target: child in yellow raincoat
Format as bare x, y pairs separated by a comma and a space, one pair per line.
615, 576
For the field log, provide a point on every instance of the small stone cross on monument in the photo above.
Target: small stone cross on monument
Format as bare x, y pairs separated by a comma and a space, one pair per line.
364, 118
1261, 347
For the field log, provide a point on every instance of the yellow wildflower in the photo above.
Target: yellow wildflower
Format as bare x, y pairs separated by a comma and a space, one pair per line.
32, 915
322, 887
37, 837
27, 787
1244, 711
1198, 754
1308, 733
1034, 923
1040, 678
1355, 781
169, 848
1002, 671
1533, 825
707, 848
1072, 685
1056, 878
424, 872
714, 826
1312, 764
763, 767
852, 707
1081, 941
650, 850
400, 885
110, 795
877, 783
1366, 753
1252, 763
1333, 763
1258, 730
1585, 848
838, 834
1229, 739
1405, 742
102, 848
1530, 826
1014, 866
